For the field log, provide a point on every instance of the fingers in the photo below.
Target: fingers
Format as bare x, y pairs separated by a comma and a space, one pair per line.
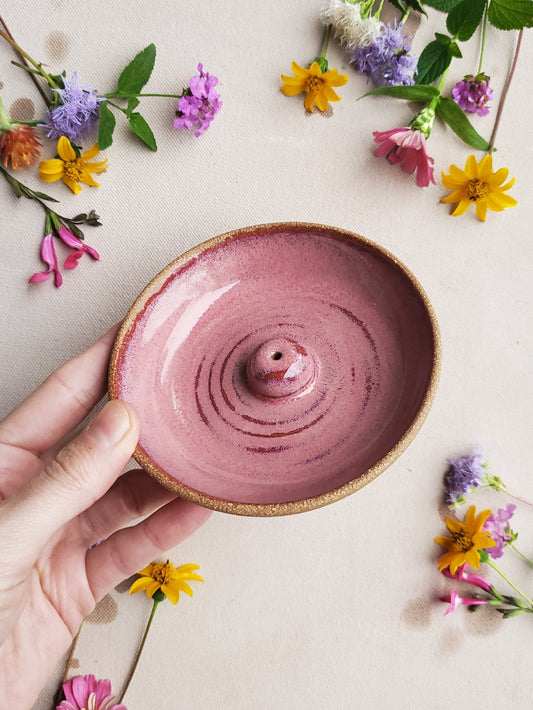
131, 549
132, 496
79, 475
62, 401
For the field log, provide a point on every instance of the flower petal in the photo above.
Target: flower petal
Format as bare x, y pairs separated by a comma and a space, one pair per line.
65, 150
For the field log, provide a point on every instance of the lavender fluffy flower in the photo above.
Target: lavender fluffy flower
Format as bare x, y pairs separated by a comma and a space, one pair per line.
387, 60
77, 113
464, 474
473, 93
199, 104
497, 525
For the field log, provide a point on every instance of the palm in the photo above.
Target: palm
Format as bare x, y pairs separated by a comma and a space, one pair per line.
50, 582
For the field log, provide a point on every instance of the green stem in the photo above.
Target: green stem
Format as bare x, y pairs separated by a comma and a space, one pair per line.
483, 33
32, 61
377, 14
435, 100
325, 42
498, 570
405, 15
136, 661
116, 95
526, 559
502, 101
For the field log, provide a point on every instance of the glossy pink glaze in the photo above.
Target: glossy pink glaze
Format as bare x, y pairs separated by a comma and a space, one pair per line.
223, 413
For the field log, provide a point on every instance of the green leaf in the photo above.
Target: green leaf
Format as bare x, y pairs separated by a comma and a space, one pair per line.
448, 111
106, 126
509, 613
454, 51
442, 5
433, 61
398, 5
409, 93
415, 5
483, 554
139, 126
464, 19
132, 105
43, 196
137, 73
511, 14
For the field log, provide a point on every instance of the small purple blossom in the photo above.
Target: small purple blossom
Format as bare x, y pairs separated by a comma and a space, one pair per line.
199, 104
497, 525
464, 474
473, 93
386, 60
77, 113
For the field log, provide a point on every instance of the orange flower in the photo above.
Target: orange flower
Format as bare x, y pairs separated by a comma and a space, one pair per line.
20, 145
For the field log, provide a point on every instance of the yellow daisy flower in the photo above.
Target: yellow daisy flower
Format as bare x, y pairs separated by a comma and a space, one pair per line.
169, 579
478, 185
317, 86
465, 541
70, 168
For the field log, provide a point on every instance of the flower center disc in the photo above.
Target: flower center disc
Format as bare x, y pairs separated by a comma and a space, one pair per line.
477, 189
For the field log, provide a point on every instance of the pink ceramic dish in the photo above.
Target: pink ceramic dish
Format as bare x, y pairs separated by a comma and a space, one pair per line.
277, 368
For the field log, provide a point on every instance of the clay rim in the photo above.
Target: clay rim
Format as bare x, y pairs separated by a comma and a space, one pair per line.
304, 504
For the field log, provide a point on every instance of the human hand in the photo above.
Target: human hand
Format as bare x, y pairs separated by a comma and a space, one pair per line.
58, 501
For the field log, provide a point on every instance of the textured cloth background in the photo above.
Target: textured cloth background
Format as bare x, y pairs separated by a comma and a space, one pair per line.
334, 608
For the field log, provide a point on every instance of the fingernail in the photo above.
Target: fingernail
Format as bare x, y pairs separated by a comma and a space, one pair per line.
111, 424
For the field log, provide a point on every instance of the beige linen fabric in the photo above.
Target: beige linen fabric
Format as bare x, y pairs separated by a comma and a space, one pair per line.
335, 608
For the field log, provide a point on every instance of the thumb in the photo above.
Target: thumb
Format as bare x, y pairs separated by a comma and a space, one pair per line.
80, 474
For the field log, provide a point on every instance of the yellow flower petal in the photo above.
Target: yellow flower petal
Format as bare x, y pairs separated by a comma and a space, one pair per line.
46, 177
65, 150
308, 103
51, 167
140, 584
315, 70
461, 208
91, 153
152, 588
76, 189
321, 102
87, 179
481, 209
147, 571
298, 70
485, 166
471, 168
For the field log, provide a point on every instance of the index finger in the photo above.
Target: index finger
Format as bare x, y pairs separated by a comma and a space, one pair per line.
62, 401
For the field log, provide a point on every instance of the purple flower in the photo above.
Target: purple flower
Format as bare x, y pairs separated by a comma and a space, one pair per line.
497, 525
77, 113
199, 104
473, 93
464, 474
386, 60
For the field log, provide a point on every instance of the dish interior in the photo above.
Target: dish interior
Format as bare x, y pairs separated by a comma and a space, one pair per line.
184, 362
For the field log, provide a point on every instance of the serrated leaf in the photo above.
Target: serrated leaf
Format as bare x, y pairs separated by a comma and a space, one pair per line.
139, 126
442, 5
449, 112
133, 102
433, 61
137, 73
465, 18
511, 14
106, 126
409, 93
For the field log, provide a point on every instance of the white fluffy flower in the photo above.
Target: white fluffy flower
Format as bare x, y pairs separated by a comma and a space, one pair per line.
349, 27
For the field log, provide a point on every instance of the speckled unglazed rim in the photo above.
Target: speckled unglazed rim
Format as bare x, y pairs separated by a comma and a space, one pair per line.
304, 504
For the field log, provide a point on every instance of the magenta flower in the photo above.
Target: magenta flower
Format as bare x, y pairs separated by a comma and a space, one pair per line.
199, 104
87, 693
473, 93
80, 248
48, 255
454, 600
497, 525
463, 576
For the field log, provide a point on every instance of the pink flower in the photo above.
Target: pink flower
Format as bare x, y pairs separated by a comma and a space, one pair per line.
407, 146
87, 693
454, 600
48, 255
74, 243
463, 576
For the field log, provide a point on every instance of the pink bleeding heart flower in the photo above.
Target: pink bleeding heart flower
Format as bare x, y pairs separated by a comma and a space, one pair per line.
454, 601
87, 693
80, 248
48, 255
